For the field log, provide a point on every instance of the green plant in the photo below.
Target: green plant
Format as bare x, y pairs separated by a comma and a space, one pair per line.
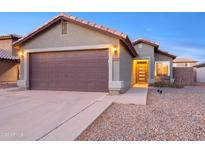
167, 84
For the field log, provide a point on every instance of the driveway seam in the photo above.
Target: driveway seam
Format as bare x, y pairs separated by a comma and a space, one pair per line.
62, 123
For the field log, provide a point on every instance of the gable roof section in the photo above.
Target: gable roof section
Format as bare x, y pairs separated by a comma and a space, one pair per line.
165, 53
141, 40
155, 45
107, 31
4, 55
184, 60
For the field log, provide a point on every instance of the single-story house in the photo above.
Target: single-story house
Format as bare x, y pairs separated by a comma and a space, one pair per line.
200, 72
9, 62
68, 53
184, 62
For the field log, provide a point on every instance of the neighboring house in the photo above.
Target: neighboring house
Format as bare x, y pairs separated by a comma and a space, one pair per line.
184, 62
8, 59
200, 72
68, 53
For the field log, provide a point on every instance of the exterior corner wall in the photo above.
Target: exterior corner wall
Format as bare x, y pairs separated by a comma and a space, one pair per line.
23, 73
125, 67
200, 74
8, 71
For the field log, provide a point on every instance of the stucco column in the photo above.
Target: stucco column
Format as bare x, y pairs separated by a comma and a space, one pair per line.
21, 82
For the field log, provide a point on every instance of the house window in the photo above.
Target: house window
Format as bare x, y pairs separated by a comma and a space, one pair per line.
64, 27
162, 68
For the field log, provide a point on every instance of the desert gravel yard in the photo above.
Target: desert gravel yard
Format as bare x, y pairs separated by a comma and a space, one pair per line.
176, 114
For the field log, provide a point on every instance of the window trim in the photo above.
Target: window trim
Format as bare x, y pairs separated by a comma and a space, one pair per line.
166, 62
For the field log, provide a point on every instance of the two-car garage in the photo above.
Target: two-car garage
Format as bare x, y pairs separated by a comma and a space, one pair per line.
65, 70
75, 55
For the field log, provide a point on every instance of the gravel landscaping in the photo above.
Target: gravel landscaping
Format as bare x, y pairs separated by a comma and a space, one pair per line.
176, 114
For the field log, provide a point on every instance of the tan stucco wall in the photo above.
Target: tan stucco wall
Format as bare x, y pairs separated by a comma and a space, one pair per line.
6, 44
147, 51
125, 66
8, 71
160, 57
77, 35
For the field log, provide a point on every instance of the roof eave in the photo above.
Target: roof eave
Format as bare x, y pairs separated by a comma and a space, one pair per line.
166, 54
145, 42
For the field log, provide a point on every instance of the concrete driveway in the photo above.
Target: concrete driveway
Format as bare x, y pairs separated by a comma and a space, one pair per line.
32, 115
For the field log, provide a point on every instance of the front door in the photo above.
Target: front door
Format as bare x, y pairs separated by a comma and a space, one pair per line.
142, 71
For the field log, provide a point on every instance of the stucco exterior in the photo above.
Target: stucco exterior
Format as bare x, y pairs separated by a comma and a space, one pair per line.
76, 36
79, 36
9, 67
200, 73
82, 37
8, 71
6, 44
146, 51
125, 67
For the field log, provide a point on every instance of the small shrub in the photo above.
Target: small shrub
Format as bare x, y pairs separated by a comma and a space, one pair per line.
167, 84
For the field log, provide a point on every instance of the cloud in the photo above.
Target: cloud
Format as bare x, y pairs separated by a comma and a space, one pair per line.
189, 51
195, 50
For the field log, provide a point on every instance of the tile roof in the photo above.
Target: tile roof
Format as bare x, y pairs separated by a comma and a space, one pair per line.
4, 55
141, 40
9, 36
108, 31
184, 60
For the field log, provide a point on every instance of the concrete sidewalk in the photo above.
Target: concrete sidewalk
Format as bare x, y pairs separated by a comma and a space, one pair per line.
136, 96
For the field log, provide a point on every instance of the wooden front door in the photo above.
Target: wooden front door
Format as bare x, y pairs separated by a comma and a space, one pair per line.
142, 72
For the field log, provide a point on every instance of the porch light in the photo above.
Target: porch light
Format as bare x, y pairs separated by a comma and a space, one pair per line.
115, 51
20, 54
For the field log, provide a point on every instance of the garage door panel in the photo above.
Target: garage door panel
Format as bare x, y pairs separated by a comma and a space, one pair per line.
72, 70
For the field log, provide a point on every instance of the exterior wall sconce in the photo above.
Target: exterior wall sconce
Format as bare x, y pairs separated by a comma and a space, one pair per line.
115, 51
20, 54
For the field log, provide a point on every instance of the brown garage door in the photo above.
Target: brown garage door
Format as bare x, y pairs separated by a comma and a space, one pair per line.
69, 70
